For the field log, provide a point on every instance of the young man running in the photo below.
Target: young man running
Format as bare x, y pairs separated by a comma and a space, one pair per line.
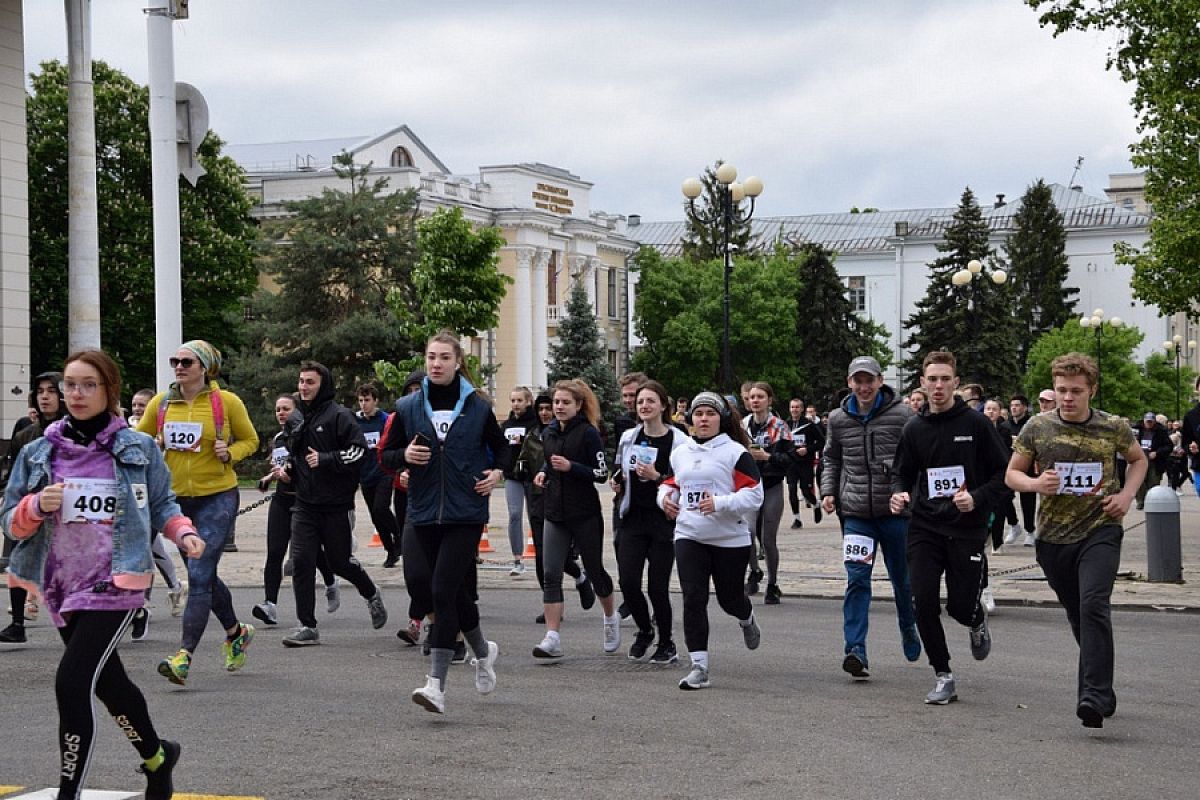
950, 466
1079, 517
860, 448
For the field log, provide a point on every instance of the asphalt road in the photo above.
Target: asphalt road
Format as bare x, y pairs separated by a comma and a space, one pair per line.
336, 721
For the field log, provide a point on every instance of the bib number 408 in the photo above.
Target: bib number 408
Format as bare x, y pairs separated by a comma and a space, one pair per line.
96, 504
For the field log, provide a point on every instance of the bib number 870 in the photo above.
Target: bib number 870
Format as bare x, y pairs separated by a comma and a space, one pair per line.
96, 504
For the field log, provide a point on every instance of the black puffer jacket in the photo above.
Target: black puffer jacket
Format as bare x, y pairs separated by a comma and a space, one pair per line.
331, 430
858, 455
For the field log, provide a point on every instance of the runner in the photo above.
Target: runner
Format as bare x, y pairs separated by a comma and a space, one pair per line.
644, 458
1079, 518
949, 466
518, 479
375, 486
1004, 512
1190, 438
204, 431
447, 437
859, 451
1156, 444
808, 439
574, 465
712, 495
917, 400
773, 451
1018, 415
325, 446
83, 501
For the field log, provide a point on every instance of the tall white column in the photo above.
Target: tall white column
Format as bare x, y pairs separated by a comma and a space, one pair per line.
541, 350
83, 227
523, 300
595, 273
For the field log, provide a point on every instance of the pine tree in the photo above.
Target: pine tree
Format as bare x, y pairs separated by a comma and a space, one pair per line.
1037, 258
975, 321
704, 237
580, 353
829, 330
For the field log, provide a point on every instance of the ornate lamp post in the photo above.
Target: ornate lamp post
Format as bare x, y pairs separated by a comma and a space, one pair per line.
730, 194
1175, 347
967, 277
1099, 324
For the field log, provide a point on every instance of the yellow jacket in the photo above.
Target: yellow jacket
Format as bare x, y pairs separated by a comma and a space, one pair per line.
198, 472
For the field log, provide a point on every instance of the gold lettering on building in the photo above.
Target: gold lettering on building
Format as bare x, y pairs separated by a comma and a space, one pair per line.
553, 198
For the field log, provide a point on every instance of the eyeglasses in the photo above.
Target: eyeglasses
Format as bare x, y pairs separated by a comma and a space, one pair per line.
85, 389
186, 363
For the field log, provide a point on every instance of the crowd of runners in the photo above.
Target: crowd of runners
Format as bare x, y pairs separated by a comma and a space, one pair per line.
933, 482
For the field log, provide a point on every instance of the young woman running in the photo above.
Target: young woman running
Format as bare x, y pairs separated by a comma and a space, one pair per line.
204, 430
447, 438
518, 480
83, 502
712, 496
575, 463
772, 449
647, 535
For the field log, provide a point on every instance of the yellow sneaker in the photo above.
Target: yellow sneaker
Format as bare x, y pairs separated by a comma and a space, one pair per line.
175, 669
235, 648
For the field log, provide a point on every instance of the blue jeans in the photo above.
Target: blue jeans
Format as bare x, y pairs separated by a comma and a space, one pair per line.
213, 515
890, 535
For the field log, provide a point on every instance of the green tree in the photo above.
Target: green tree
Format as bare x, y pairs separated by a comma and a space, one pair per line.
580, 353
1037, 258
975, 321
458, 283
334, 261
1165, 391
1155, 51
217, 233
704, 236
829, 331
1121, 380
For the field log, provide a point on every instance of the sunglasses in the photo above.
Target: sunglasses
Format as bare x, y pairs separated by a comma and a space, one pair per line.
186, 363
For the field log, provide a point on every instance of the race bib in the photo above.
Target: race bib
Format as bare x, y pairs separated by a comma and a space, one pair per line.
514, 435
1078, 477
1147, 444
945, 481
441, 423
858, 549
90, 500
692, 493
279, 457
372, 438
800, 439
183, 436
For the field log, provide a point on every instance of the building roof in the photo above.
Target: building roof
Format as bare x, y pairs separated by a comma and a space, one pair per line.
312, 155
876, 231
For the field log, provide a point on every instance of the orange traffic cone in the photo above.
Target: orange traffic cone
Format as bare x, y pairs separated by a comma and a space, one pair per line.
484, 545
375, 541
530, 550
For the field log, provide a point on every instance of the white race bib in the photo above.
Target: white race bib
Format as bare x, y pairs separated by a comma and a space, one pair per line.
1147, 444
945, 481
441, 423
183, 436
90, 500
801, 439
858, 549
692, 493
514, 435
279, 457
1078, 477
372, 438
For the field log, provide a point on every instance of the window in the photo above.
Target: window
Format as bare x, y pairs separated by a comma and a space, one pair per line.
856, 293
401, 158
552, 280
614, 362
613, 293
596, 291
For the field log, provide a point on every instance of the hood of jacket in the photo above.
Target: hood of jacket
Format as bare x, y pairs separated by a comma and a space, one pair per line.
55, 379
324, 396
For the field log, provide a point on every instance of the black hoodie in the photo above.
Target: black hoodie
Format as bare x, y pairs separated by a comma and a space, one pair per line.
957, 437
331, 430
34, 430
516, 428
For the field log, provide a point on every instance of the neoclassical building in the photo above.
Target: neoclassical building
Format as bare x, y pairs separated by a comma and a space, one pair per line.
553, 236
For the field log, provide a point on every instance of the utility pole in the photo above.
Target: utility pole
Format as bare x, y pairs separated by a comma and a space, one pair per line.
83, 230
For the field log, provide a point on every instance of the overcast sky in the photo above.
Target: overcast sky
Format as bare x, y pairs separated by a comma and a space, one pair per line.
893, 105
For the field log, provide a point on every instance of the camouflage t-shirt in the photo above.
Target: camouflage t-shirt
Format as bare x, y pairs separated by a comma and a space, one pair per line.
1084, 454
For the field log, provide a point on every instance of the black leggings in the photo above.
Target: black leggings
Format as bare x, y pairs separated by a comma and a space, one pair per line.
379, 501
587, 536
449, 551
279, 535
800, 481
571, 567
931, 555
646, 539
725, 567
996, 529
90, 667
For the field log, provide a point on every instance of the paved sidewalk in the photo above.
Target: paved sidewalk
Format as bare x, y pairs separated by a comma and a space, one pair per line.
810, 559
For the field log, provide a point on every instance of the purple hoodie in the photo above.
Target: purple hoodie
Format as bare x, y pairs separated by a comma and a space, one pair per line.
80, 557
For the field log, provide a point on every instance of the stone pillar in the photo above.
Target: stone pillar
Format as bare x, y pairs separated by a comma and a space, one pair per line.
596, 276
14, 221
523, 313
540, 337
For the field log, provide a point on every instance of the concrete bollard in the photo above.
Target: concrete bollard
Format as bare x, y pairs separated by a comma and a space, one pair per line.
1164, 561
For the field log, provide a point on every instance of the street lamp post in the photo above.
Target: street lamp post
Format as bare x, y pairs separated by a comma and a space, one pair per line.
1175, 347
1099, 324
730, 194
967, 277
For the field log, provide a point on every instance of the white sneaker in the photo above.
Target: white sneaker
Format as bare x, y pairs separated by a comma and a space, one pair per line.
430, 697
485, 670
612, 636
989, 602
177, 599
333, 597
1030, 541
696, 679
550, 648
1014, 533
518, 568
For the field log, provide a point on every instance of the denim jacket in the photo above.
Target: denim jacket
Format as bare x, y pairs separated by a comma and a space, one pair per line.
147, 503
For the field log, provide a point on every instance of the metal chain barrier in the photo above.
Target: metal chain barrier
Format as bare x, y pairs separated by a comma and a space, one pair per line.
257, 504
1033, 565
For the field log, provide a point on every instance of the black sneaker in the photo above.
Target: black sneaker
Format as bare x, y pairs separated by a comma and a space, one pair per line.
756, 577
665, 653
1089, 715
856, 665
623, 610
587, 595
773, 595
13, 634
460, 652
391, 561
641, 644
540, 619
159, 785
797, 524
141, 618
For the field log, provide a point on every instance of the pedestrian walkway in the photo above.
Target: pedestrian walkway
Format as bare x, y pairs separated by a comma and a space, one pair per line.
98, 794
810, 559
